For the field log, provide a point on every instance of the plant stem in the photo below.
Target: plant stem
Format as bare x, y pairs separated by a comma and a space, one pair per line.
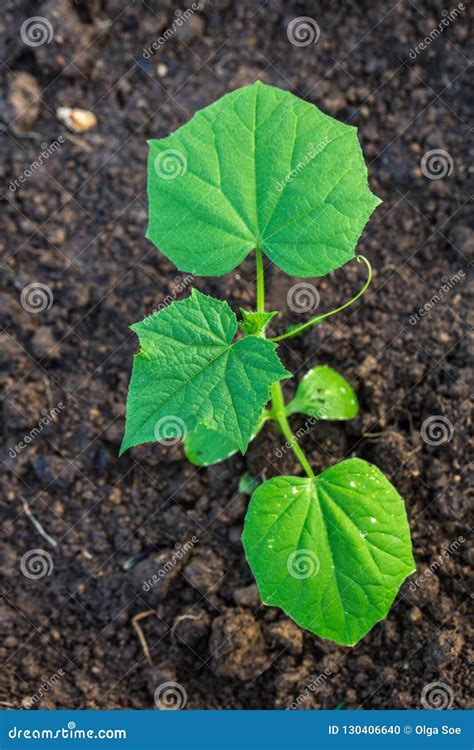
260, 281
318, 318
278, 411
279, 415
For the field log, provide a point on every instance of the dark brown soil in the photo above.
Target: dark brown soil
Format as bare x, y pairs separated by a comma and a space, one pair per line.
77, 225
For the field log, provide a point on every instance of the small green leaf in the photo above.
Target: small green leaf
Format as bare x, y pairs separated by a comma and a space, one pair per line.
204, 447
254, 323
331, 552
247, 484
259, 167
188, 373
324, 394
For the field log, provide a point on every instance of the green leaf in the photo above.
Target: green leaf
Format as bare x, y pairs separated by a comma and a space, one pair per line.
331, 552
324, 394
188, 373
259, 167
254, 323
204, 447
247, 484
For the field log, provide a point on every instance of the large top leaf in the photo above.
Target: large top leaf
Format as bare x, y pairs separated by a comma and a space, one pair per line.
258, 167
333, 551
188, 373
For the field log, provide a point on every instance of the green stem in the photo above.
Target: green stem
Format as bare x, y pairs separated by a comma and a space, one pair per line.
260, 281
279, 415
278, 411
318, 318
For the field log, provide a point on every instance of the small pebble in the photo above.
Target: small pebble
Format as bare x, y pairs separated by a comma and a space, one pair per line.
77, 120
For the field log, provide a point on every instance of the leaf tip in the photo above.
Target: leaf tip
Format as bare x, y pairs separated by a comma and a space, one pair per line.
124, 446
377, 201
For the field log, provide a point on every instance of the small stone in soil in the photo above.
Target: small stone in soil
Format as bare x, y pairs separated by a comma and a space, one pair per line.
24, 100
247, 596
43, 344
204, 571
285, 635
237, 646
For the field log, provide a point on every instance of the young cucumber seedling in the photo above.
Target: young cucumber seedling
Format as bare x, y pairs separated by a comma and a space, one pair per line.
262, 171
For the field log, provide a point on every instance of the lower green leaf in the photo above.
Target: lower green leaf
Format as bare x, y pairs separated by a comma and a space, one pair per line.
248, 484
204, 447
331, 552
324, 394
189, 372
